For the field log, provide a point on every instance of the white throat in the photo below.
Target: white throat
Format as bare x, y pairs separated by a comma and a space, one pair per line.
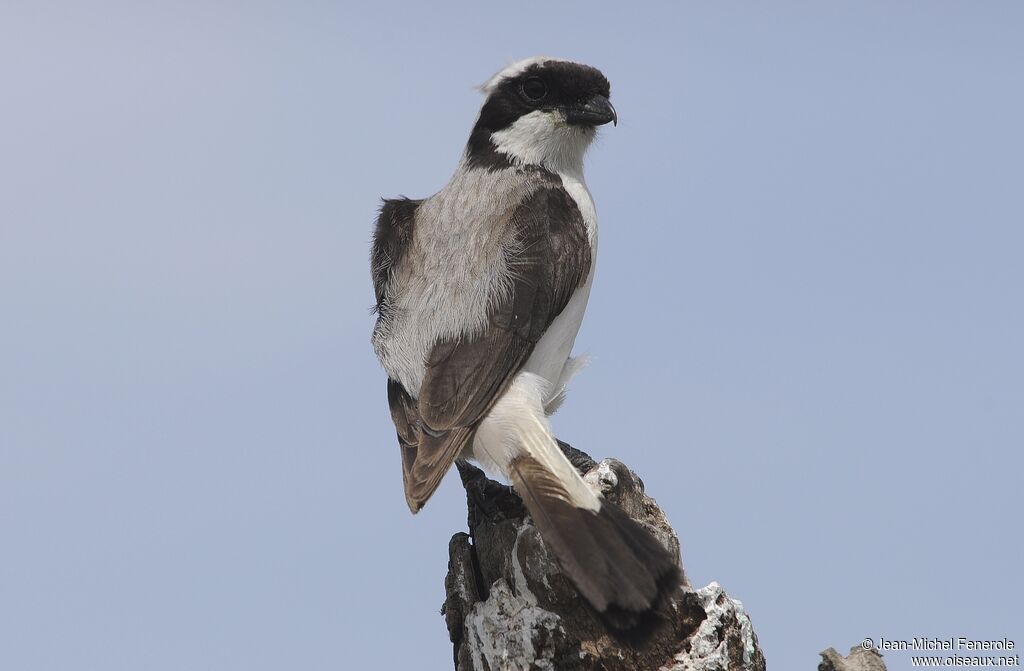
544, 138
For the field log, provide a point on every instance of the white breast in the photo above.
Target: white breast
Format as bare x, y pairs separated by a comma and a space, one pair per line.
578, 191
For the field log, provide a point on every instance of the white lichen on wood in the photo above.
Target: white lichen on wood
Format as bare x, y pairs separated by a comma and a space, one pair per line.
725, 631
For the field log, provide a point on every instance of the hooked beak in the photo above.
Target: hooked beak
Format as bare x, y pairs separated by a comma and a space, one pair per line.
595, 112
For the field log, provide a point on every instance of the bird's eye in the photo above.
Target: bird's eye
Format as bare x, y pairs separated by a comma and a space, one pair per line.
534, 88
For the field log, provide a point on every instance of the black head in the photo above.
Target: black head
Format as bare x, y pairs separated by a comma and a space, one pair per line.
560, 101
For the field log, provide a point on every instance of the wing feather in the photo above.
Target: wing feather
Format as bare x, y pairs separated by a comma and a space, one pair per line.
550, 258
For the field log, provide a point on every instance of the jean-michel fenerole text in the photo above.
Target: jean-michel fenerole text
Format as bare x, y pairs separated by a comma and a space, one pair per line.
959, 643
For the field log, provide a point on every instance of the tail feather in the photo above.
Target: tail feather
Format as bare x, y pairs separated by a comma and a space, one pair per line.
616, 564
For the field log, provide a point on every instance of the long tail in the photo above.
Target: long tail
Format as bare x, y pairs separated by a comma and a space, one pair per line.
616, 564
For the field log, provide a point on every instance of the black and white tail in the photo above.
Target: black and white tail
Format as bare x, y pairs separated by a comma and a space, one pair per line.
616, 564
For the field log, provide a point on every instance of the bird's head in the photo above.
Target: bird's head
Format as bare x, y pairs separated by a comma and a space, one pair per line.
541, 111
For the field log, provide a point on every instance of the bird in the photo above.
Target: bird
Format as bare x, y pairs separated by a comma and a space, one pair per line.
480, 292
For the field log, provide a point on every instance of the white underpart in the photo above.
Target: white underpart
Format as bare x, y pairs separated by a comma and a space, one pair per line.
557, 394
517, 425
518, 421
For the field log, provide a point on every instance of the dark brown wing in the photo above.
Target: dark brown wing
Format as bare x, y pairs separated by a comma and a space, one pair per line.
466, 376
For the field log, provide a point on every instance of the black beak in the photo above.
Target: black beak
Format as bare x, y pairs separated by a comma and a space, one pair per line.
595, 112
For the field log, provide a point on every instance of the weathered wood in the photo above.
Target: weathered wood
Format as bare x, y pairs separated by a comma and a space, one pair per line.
859, 659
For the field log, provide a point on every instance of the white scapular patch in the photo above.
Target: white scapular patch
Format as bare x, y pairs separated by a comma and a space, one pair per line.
517, 425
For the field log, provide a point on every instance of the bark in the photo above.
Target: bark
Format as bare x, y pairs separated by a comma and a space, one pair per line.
509, 607
859, 659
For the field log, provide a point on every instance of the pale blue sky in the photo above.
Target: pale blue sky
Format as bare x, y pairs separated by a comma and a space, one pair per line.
806, 327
